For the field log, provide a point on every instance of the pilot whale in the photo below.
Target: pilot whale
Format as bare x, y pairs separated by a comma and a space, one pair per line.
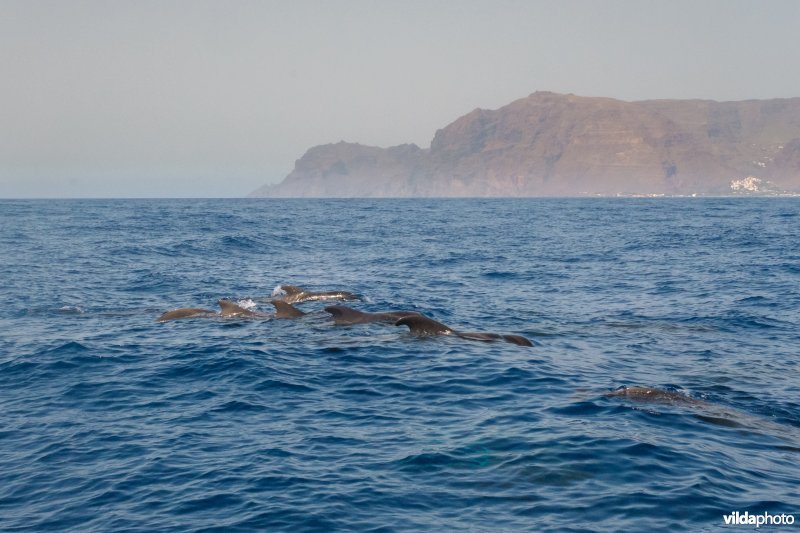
345, 316
286, 310
186, 312
293, 294
712, 413
422, 325
228, 309
653, 395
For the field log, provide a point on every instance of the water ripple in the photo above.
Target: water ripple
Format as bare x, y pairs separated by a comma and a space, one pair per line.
112, 421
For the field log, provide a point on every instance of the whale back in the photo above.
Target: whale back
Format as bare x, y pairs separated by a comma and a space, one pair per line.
519, 340
291, 290
338, 295
651, 394
393, 316
286, 310
308, 296
294, 294
422, 325
188, 312
345, 315
229, 308
475, 336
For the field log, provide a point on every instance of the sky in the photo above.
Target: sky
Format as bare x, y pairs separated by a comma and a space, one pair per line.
199, 98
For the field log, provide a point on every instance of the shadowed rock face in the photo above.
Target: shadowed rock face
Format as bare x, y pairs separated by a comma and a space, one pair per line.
550, 144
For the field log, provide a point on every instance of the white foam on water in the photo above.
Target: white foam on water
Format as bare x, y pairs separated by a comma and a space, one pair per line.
278, 291
70, 310
247, 303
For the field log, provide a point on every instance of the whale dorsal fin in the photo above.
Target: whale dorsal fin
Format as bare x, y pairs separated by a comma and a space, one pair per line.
229, 308
422, 325
343, 314
291, 289
286, 310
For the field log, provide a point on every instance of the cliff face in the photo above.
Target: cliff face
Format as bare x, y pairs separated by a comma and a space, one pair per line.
347, 170
564, 145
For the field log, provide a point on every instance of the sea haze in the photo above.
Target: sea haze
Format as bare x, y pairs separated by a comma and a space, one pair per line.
112, 421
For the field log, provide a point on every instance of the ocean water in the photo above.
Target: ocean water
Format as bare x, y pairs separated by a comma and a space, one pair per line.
114, 422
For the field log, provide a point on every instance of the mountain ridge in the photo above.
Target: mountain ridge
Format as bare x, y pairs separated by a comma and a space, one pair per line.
549, 144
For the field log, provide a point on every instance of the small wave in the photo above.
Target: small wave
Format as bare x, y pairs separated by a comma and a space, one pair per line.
472, 456
208, 504
497, 274
238, 241
276, 385
46, 310
206, 366
754, 322
149, 281
70, 310
428, 462
238, 406
71, 347
791, 268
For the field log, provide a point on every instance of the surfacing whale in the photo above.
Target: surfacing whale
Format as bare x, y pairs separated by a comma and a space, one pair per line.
345, 316
712, 413
228, 309
653, 395
293, 294
186, 312
421, 325
286, 310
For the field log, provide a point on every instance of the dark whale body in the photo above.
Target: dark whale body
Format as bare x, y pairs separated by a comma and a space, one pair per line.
296, 294
712, 413
229, 309
652, 395
343, 315
186, 312
422, 325
286, 310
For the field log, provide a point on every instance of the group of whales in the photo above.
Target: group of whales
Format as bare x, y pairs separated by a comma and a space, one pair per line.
417, 323
421, 325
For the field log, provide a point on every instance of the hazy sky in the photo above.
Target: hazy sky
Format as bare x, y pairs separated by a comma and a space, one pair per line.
215, 98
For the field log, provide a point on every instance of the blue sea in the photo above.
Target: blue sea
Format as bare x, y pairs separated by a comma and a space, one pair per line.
111, 421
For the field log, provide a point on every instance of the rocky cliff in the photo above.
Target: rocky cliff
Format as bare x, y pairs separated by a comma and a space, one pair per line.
565, 145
